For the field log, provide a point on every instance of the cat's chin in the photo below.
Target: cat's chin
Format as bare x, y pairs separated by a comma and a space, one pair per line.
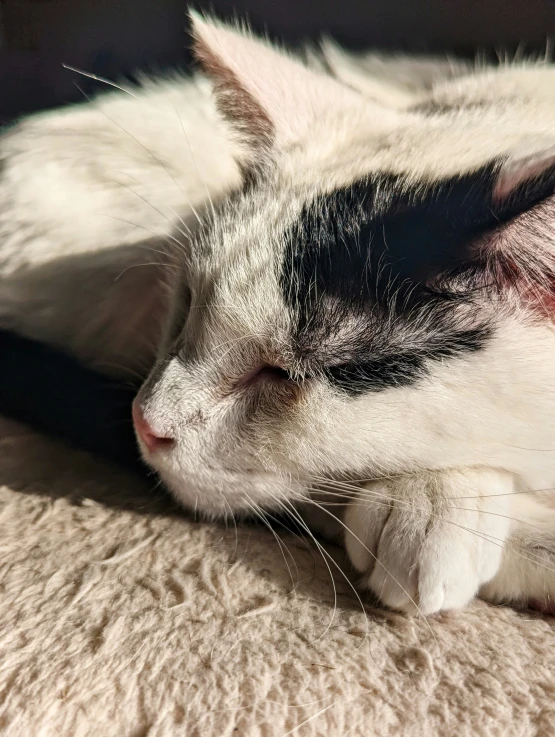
218, 493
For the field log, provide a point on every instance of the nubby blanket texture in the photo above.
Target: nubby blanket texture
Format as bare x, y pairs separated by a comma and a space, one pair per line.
121, 617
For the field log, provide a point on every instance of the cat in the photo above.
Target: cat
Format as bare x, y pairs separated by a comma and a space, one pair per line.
335, 276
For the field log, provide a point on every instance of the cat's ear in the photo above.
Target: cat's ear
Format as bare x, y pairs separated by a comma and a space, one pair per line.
516, 251
494, 226
264, 92
526, 173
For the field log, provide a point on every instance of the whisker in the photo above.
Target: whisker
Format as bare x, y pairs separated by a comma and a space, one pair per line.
501, 544
376, 560
148, 151
89, 75
486, 536
299, 520
152, 263
156, 159
156, 209
508, 493
361, 495
152, 232
195, 162
324, 553
188, 230
260, 515
232, 516
297, 536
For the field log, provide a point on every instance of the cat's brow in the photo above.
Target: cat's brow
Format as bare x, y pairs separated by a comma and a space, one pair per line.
355, 270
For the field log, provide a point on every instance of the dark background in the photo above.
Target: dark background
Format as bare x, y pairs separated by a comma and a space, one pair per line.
116, 37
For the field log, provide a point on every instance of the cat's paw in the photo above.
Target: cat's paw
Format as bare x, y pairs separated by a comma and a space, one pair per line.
426, 542
526, 577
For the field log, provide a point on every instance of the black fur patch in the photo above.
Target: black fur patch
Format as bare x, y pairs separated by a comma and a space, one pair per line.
369, 274
402, 368
53, 393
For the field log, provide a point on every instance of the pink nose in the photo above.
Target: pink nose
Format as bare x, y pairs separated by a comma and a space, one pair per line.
145, 432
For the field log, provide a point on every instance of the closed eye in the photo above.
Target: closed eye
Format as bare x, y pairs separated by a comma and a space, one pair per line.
275, 372
280, 375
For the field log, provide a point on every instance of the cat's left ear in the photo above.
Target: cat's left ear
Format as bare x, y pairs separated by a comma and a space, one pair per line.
270, 97
517, 248
495, 225
528, 172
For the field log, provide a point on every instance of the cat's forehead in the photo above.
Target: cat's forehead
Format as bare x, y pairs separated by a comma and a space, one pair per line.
369, 279
313, 269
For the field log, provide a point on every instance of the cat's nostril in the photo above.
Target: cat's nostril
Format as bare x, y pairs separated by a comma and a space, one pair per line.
145, 432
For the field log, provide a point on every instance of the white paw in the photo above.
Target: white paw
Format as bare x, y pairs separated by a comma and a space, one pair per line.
427, 542
526, 577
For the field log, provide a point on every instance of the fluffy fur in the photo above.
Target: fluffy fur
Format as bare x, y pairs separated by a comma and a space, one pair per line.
338, 275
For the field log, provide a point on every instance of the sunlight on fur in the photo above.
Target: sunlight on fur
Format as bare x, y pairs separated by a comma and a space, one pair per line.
337, 286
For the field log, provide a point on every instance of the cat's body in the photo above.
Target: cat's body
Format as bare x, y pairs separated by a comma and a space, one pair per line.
129, 167
376, 301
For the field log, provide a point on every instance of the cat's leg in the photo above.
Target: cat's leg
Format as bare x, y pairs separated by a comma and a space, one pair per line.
526, 576
426, 542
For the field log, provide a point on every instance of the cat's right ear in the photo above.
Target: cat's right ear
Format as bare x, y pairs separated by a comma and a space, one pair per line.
270, 97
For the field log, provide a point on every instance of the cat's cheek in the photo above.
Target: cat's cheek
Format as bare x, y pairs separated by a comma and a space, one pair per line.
216, 492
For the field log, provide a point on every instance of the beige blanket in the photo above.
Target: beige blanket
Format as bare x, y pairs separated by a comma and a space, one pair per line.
121, 617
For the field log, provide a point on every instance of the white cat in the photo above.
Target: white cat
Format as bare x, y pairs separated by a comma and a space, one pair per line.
342, 270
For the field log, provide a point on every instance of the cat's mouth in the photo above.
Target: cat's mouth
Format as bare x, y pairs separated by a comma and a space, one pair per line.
216, 491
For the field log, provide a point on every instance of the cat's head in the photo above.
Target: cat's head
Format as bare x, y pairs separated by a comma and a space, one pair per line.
348, 305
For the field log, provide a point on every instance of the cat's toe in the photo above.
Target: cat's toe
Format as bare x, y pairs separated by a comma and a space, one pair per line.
425, 573
424, 553
449, 574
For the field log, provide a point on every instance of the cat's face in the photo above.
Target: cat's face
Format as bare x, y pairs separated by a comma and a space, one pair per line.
338, 324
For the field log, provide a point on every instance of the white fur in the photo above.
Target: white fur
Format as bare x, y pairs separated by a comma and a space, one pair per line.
428, 541
89, 189
92, 191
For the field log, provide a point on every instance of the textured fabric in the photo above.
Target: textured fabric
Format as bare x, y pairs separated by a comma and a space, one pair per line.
120, 616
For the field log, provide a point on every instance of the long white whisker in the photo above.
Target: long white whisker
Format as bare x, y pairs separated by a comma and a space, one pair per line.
531, 557
377, 561
155, 158
152, 263
156, 209
195, 163
228, 505
260, 515
133, 138
152, 232
99, 79
324, 553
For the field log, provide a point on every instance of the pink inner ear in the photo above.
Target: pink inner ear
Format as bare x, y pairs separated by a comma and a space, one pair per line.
521, 169
520, 258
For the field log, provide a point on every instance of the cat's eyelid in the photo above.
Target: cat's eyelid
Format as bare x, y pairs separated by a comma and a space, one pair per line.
276, 371
298, 377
